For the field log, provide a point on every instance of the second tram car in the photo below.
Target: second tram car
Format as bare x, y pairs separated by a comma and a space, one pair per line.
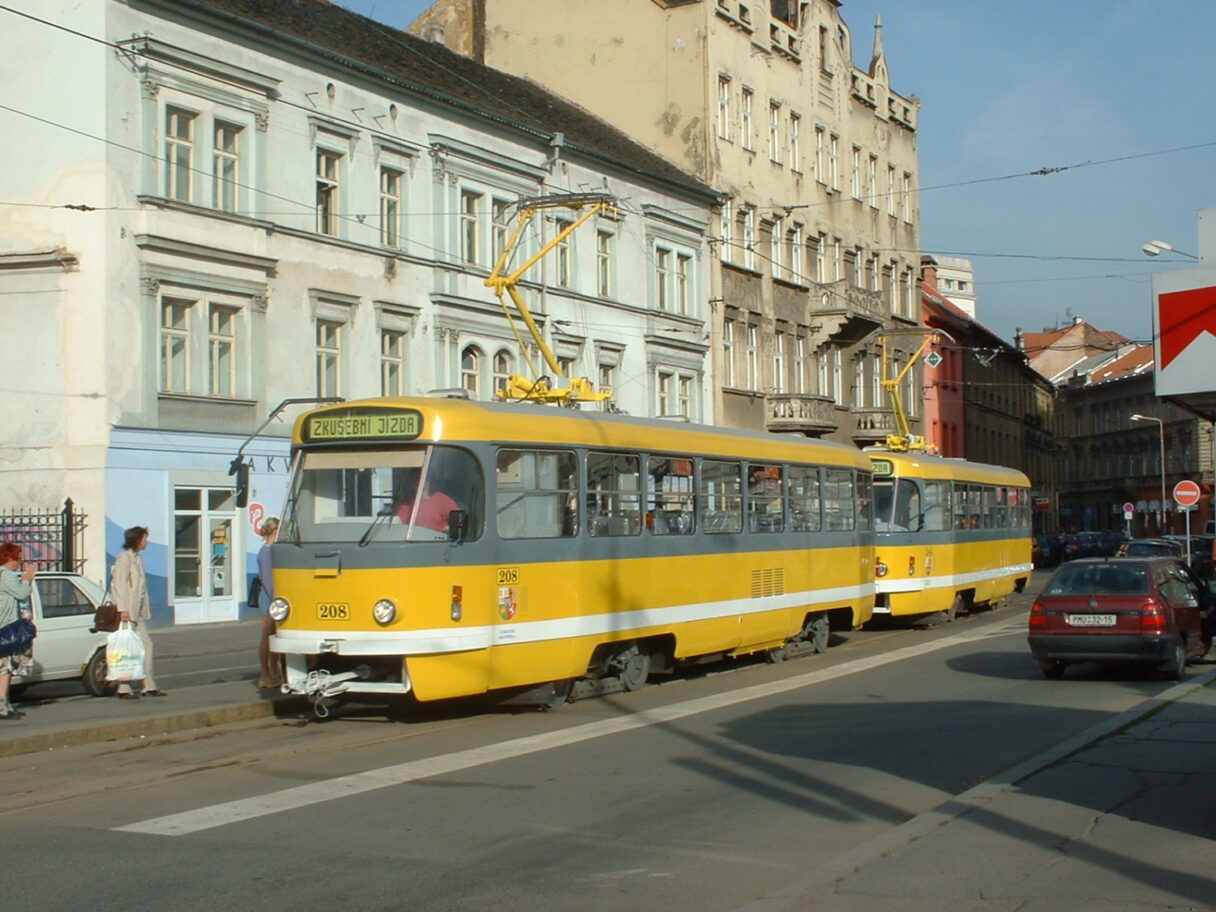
950, 534
446, 548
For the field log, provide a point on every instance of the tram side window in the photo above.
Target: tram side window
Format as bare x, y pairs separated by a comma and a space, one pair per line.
865, 502
936, 506
988, 507
670, 503
966, 506
536, 494
1006, 501
838, 500
722, 496
803, 488
1023, 513
613, 494
897, 506
765, 499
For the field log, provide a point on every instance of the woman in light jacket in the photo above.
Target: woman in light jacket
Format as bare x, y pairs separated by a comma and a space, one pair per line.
15, 588
129, 586
269, 661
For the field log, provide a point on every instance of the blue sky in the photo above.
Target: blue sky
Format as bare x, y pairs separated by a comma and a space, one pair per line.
1104, 90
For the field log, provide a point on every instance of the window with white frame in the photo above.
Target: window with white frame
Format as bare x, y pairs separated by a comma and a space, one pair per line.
749, 237
562, 260
390, 207
727, 223
665, 389
604, 263
329, 358
776, 259
905, 197
683, 278
502, 369
392, 362
728, 353
684, 395
470, 227
837, 377
724, 107
202, 347
500, 215
745, 118
837, 259
795, 142
793, 244
753, 357
470, 371
179, 154
226, 170
890, 189
607, 378
855, 173
872, 180
834, 162
876, 380
328, 191
821, 372
774, 132
909, 293
662, 277
799, 364
779, 362
859, 386
821, 173
821, 258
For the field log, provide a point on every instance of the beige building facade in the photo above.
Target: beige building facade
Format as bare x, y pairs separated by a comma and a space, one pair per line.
817, 238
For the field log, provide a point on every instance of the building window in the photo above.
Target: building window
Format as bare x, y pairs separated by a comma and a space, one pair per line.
905, 195
501, 217
684, 396
779, 363
833, 162
226, 166
821, 173
745, 119
607, 378
774, 132
821, 372
390, 207
470, 249
392, 363
795, 142
859, 386
776, 260
329, 358
876, 381
603, 263
793, 243
561, 253
727, 223
872, 180
179, 154
837, 259
328, 164
800, 365
749, 238
683, 296
502, 372
221, 349
666, 392
728, 353
662, 275
837, 377
175, 345
470, 372
855, 173
753, 356
724, 108
821, 258
890, 190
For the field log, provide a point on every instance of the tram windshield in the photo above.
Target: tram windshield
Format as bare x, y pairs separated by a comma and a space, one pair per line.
401, 495
897, 505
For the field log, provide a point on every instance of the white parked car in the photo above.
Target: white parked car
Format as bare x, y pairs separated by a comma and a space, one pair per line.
66, 647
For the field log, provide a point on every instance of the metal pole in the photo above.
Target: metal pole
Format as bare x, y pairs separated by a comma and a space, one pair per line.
1161, 524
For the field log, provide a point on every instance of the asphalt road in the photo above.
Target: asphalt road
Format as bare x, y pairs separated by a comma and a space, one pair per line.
702, 793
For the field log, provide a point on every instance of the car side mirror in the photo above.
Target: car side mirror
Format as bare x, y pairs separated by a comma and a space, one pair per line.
457, 525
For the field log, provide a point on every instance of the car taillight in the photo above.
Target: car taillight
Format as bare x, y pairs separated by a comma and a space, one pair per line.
1152, 618
1038, 617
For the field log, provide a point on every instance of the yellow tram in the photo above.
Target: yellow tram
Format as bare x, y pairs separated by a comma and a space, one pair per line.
445, 548
950, 534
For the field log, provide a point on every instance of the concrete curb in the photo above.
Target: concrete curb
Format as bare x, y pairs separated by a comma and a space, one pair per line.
118, 730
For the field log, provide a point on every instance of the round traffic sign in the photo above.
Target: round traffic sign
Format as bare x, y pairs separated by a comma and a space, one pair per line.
1129, 507
1186, 493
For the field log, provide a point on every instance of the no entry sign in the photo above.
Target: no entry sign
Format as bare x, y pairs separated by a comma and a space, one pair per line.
1186, 493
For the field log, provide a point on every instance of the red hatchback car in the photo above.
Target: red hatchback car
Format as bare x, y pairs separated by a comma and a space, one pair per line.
1119, 609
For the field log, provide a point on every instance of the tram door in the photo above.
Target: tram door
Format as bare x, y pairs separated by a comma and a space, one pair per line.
206, 563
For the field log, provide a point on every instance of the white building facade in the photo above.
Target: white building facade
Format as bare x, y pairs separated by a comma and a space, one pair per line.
212, 207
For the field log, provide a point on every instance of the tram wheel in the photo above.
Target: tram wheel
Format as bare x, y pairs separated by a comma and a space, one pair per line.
817, 632
957, 607
634, 665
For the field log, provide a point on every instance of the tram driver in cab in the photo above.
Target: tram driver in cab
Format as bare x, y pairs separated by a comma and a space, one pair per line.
434, 507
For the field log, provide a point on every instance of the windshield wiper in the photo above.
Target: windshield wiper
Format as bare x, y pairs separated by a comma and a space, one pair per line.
376, 523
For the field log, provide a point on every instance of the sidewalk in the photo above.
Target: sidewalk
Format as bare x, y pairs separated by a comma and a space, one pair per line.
1122, 816
63, 721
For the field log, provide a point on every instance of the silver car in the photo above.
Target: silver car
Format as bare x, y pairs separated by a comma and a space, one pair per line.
66, 647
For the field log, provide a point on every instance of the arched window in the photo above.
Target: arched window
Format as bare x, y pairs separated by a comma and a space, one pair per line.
502, 370
470, 371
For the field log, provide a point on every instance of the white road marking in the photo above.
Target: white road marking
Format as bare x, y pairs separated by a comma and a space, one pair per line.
229, 812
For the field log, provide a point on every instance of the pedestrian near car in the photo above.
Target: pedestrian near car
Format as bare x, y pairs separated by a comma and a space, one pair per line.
270, 676
15, 587
129, 586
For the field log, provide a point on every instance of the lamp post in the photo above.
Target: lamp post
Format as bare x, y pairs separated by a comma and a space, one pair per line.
1153, 248
1161, 431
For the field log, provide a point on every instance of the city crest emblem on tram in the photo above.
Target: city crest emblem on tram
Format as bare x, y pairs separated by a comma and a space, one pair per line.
508, 603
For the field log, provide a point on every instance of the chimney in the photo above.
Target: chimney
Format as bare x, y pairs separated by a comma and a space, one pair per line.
432, 32
928, 271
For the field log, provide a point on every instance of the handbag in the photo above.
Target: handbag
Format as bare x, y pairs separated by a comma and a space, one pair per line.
16, 637
105, 618
255, 592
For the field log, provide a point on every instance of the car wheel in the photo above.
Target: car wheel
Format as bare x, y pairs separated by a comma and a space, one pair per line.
95, 676
1175, 667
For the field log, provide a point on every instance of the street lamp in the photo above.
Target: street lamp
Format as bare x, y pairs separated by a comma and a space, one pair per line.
1152, 248
1161, 430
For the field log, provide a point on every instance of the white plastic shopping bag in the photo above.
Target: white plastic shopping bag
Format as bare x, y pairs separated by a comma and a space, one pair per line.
124, 654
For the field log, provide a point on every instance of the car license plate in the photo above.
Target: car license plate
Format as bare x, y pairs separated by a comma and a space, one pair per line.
333, 611
1090, 620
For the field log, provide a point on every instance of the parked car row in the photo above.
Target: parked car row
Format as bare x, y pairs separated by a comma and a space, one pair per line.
1058, 548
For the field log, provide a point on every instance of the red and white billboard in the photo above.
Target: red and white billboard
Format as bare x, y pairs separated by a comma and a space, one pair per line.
1184, 331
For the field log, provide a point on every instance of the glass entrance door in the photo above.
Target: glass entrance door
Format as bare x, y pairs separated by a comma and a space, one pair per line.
205, 561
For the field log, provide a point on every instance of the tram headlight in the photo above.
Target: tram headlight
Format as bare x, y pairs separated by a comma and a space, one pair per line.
880, 569
278, 609
384, 611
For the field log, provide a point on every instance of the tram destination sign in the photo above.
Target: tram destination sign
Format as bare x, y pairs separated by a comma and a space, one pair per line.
363, 424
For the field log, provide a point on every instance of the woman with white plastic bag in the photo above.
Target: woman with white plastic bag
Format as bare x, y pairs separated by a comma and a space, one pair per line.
124, 655
129, 586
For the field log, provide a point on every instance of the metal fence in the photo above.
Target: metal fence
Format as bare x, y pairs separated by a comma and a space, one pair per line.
49, 540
